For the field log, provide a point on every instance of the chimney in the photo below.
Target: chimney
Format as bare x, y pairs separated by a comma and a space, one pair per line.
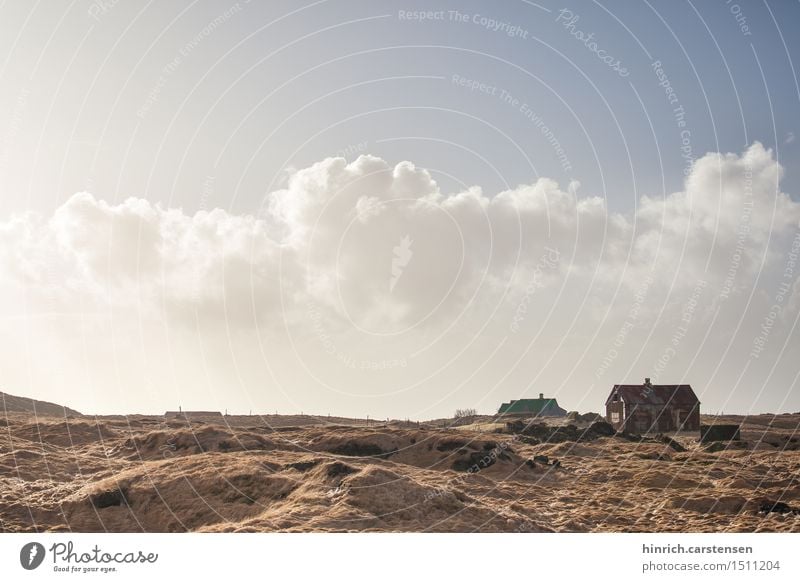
541, 395
647, 382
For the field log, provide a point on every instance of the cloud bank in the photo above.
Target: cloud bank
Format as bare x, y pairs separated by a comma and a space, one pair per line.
385, 258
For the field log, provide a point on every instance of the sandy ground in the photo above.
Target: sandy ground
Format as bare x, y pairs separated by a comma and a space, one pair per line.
130, 474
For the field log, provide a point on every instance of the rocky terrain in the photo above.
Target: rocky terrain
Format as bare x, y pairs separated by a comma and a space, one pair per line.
139, 473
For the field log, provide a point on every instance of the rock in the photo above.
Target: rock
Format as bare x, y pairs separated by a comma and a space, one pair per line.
672, 443
111, 498
776, 507
602, 428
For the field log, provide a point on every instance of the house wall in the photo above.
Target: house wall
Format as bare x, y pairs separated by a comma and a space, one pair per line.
614, 414
656, 418
694, 419
643, 418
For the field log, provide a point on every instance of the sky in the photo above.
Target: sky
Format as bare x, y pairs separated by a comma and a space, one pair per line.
398, 209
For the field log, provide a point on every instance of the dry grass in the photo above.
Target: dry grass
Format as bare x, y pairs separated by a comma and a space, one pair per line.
141, 474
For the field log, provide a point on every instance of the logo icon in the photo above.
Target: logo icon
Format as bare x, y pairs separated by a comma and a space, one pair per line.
31, 555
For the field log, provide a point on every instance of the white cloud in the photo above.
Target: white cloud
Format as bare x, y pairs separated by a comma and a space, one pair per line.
329, 238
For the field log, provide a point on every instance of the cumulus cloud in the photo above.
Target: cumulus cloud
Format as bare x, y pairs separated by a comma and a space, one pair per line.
329, 237
137, 253
328, 243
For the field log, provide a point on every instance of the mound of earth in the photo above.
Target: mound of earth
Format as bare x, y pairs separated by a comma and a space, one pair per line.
537, 432
11, 403
144, 474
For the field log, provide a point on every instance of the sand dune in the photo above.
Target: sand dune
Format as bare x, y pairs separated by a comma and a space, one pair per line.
144, 474
11, 403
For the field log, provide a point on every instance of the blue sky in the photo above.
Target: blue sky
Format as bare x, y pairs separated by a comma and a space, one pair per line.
170, 159
365, 75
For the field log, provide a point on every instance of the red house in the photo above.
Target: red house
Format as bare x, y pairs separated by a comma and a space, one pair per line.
653, 408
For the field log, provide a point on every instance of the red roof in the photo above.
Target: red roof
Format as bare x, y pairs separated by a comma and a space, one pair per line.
659, 394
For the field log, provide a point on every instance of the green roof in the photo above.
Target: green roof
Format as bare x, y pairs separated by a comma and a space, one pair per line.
528, 406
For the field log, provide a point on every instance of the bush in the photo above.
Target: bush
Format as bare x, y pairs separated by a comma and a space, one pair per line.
465, 413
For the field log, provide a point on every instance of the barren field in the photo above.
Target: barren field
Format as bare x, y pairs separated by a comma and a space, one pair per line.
139, 473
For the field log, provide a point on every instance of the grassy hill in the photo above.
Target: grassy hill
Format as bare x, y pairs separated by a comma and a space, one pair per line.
11, 403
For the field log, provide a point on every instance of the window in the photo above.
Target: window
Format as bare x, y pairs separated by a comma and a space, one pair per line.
615, 417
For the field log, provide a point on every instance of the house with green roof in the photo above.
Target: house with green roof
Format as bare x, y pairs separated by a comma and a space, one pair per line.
533, 407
